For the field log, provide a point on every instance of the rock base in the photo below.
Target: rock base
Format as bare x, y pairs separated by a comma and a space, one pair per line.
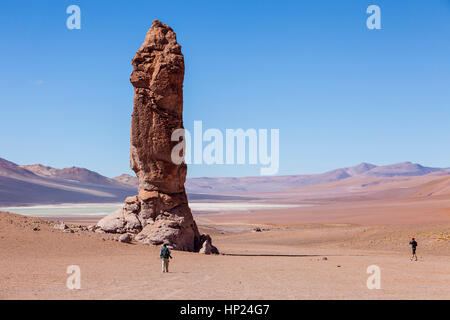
140, 216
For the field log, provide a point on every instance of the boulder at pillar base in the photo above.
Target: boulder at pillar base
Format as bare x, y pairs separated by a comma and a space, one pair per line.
207, 247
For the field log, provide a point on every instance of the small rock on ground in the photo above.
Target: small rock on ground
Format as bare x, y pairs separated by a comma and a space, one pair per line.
126, 238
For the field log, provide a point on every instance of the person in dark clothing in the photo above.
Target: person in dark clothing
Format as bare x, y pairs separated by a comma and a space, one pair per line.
413, 244
164, 254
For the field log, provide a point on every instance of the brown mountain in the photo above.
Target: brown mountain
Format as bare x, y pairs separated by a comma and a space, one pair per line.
12, 170
73, 174
127, 180
39, 184
278, 183
400, 169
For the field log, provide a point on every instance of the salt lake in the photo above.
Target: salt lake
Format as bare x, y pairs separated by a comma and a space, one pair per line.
102, 209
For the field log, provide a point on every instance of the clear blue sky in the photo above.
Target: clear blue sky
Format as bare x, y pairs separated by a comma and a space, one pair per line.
339, 93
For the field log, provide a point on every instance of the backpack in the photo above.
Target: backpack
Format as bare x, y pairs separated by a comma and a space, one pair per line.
165, 253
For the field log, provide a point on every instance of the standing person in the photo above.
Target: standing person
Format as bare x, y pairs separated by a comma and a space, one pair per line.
164, 254
413, 244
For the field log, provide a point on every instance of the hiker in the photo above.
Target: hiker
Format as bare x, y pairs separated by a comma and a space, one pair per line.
164, 254
413, 244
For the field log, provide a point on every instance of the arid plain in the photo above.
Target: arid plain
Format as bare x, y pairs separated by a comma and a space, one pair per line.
354, 223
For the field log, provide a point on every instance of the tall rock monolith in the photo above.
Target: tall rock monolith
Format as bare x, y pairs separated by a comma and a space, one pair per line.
160, 212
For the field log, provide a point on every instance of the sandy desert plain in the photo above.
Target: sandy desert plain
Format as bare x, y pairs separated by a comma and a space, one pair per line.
354, 223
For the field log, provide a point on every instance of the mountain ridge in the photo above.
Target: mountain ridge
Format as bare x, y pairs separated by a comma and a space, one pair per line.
37, 183
233, 185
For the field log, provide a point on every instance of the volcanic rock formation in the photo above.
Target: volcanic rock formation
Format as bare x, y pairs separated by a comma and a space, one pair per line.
160, 212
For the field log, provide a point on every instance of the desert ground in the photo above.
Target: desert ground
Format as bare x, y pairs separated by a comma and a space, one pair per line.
318, 251
280, 262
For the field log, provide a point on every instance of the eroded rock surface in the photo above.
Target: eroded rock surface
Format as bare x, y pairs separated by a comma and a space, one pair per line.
207, 247
160, 212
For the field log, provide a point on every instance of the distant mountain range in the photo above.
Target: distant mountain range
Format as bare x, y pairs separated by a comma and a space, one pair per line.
278, 183
39, 184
